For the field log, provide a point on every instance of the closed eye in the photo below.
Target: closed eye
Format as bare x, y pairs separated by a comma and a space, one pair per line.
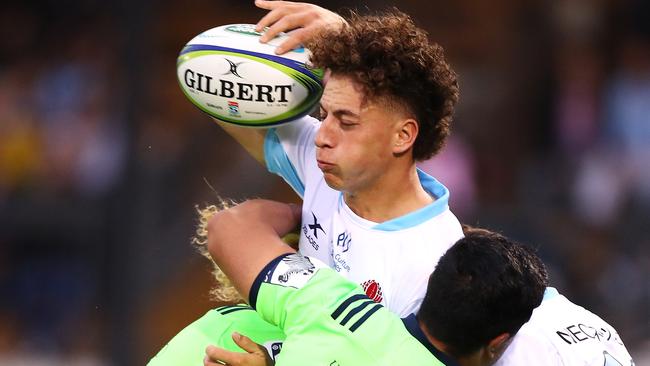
347, 124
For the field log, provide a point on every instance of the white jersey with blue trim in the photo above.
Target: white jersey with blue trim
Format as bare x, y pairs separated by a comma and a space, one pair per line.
562, 333
392, 260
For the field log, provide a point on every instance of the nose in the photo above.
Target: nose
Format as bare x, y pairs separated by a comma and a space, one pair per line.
325, 134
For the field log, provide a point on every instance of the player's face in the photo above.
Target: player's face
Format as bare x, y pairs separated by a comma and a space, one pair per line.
354, 142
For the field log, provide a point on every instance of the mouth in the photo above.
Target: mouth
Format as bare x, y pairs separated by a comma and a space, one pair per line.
324, 166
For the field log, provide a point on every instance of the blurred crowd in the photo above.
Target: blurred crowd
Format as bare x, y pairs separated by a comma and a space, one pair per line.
102, 160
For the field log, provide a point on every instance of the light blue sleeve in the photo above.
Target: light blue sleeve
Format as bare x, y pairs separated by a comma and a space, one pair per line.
289, 149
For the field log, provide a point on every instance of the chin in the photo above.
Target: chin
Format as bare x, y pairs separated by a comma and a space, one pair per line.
333, 181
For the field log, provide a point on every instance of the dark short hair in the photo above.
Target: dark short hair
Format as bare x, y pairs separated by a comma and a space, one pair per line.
393, 59
485, 285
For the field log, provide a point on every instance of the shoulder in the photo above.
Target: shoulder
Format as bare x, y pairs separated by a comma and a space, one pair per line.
293, 285
289, 151
531, 347
298, 129
560, 332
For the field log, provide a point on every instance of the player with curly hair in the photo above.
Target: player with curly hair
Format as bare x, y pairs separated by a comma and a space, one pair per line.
388, 102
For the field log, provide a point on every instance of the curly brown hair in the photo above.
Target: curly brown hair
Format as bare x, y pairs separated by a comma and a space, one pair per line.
391, 58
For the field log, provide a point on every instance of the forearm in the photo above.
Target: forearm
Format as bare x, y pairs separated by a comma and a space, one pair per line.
282, 218
245, 238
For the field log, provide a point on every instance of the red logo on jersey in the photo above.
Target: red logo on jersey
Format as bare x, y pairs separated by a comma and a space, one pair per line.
373, 290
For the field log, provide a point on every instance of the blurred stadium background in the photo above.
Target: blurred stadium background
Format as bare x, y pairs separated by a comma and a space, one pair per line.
102, 160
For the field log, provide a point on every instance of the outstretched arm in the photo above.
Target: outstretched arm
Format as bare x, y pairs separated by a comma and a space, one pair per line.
243, 239
303, 19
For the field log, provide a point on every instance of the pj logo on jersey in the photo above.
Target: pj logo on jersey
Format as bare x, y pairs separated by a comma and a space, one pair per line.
311, 231
343, 241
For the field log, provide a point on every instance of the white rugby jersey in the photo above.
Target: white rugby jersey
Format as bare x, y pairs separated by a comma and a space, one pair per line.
562, 333
392, 260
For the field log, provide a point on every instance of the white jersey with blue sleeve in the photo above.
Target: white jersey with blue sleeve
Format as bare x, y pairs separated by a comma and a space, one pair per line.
392, 260
562, 333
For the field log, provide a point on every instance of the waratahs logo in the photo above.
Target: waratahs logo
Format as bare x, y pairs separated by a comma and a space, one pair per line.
373, 290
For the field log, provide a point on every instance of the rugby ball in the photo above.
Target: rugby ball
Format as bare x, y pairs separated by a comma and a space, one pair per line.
227, 73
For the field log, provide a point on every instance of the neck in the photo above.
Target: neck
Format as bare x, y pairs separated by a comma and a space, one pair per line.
471, 360
392, 195
436, 343
442, 347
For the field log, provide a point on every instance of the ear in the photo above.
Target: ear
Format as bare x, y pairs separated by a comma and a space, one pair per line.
497, 345
326, 76
406, 133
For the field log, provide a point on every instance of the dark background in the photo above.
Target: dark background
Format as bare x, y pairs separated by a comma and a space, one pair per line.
102, 160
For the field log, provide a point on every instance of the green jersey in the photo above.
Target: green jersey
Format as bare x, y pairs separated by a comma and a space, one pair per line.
329, 321
187, 348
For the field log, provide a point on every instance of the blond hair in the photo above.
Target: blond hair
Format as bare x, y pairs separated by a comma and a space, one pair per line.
223, 290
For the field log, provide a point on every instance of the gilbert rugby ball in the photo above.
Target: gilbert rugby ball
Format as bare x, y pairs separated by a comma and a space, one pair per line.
227, 73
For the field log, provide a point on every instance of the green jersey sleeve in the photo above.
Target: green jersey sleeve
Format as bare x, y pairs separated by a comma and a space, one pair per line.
215, 328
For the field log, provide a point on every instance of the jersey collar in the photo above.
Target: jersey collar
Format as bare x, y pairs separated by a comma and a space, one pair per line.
550, 293
440, 205
411, 324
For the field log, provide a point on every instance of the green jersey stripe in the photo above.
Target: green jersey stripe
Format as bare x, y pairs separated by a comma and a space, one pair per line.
365, 317
356, 310
231, 306
235, 309
344, 305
